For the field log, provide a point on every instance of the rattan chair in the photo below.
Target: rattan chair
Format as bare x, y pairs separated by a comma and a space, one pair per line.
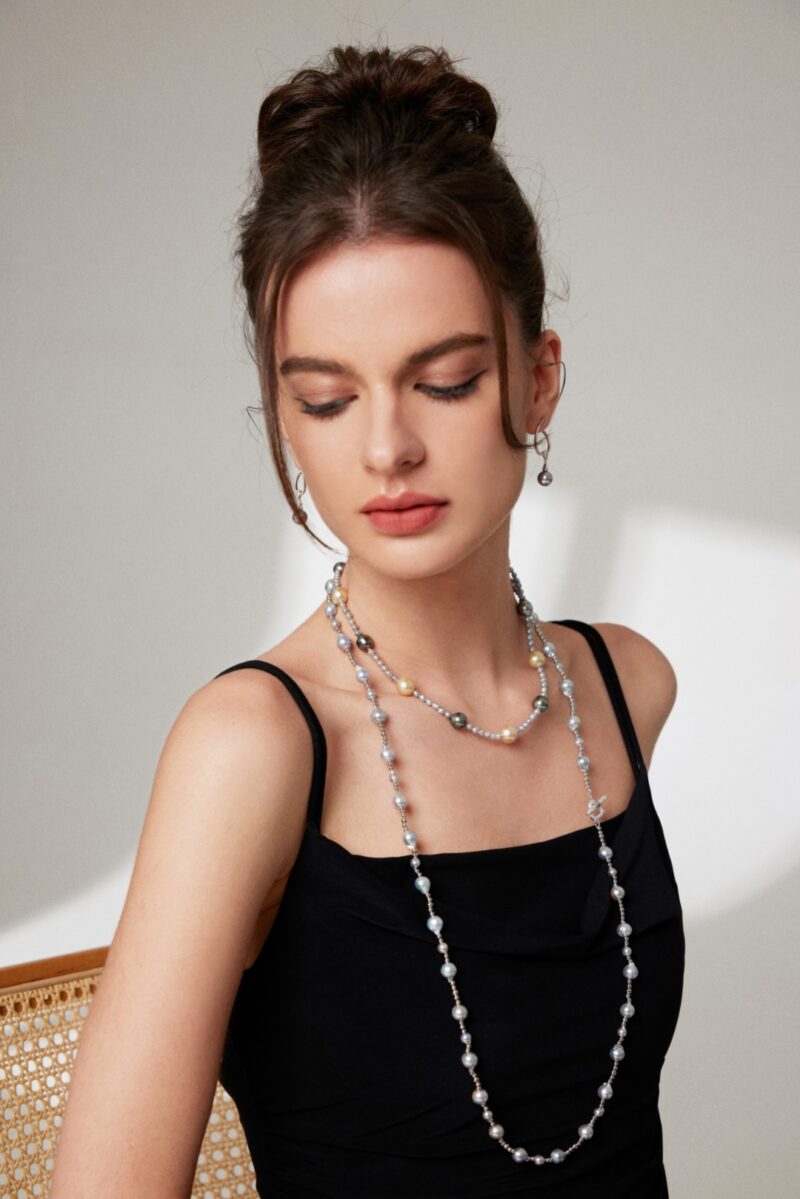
43, 1006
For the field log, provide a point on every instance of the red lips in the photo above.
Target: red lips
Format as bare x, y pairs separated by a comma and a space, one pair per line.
406, 499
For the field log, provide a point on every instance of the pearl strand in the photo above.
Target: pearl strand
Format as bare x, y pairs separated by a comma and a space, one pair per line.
459, 720
337, 599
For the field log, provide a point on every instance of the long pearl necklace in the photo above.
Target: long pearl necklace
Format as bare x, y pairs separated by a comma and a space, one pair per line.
337, 599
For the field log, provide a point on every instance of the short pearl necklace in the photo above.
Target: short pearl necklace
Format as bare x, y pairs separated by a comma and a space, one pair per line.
337, 599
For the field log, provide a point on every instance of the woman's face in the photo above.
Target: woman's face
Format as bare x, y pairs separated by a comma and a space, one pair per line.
352, 327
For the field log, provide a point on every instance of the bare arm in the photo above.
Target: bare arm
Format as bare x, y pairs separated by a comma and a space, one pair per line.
224, 820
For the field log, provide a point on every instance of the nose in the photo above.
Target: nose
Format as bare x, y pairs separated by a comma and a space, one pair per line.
390, 443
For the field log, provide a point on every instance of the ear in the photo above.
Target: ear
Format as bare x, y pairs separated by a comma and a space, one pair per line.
545, 379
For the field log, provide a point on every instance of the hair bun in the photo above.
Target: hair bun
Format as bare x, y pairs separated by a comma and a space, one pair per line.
414, 94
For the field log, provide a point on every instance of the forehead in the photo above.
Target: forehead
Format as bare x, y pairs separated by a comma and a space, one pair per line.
376, 302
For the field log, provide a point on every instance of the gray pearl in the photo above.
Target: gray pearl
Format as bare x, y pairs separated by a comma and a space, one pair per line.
458, 720
545, 478
364, 641
379, 715
557, 1156
541, 703
520, 1155
538, 1160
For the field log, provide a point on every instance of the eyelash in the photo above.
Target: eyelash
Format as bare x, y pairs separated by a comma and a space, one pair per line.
324, 412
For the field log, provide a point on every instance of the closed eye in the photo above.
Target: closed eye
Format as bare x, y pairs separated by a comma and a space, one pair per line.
336, 407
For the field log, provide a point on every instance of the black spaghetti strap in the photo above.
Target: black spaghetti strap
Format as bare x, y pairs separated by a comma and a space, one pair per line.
312, 720
609, 673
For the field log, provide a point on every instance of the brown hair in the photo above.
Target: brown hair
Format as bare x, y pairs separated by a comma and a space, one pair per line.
379, 141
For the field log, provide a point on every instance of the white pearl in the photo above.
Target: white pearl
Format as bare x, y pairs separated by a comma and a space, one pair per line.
624, 929
435, 924
585, 1132
387, 753
466, 1039
410, 838
630, 971
627, 1010
469, 1059
605, 1090
520, 1155
442, 947
583, 762
361, 674
379, 715
479, 1095
459, 1012
557, 1155
422, 884
617, 892
574, 723
496, 1131
400, 800
605, 852
567, 686
343, 641
538, 1160
448, 969
617, 1052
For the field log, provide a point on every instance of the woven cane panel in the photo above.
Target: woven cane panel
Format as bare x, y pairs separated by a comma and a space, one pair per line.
39, 1039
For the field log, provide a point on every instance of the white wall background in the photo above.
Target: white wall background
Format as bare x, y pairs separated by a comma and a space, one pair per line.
145, 543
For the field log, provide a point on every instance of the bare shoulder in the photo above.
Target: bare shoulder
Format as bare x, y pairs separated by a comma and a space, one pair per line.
647, 677
225, 818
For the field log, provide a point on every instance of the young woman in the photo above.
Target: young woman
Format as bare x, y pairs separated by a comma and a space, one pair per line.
401, 873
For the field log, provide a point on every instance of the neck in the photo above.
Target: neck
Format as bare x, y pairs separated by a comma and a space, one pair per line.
457, 634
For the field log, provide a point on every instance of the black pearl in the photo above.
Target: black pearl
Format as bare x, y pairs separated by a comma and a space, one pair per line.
542, 703
364, 641
459, 720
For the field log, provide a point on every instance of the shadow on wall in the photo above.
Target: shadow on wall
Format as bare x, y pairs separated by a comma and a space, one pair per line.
735, 1049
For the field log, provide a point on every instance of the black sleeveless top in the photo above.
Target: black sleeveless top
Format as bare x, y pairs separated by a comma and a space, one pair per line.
343, 1058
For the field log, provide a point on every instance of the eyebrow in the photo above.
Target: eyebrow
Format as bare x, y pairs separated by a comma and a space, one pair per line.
298, 363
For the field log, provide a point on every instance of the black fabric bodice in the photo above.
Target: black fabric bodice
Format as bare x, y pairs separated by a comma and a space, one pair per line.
341, 1052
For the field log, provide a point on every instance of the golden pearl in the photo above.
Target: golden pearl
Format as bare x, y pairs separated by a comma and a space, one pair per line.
536, 659
405, 686
508, 734
338, 595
